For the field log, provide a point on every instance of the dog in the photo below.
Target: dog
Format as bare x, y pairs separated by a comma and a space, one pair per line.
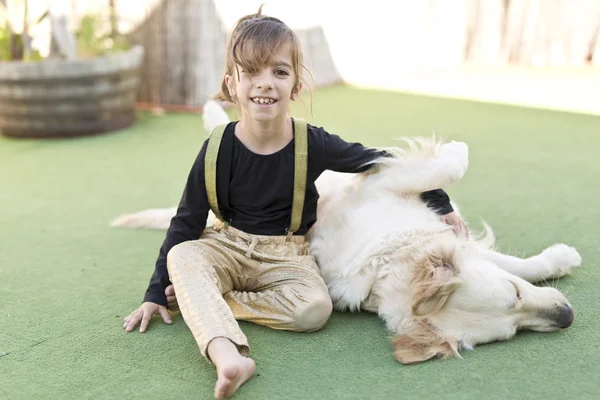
381, 249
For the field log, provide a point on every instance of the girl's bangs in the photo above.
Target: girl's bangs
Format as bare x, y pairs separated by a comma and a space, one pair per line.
254, 49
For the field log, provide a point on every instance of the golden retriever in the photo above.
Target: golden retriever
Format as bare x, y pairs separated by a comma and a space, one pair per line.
381, 249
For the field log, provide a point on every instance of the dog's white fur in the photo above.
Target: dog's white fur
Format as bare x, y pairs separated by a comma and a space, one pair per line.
381, 249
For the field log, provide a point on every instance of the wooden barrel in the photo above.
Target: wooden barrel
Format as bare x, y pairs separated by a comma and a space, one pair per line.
59, 98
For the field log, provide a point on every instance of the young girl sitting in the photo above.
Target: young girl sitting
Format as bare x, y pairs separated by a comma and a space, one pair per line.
254, 263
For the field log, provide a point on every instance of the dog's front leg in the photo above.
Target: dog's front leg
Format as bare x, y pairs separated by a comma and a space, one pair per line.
554, 262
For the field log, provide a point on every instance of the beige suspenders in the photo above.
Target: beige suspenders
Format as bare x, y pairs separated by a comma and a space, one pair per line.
300, 162
210, 169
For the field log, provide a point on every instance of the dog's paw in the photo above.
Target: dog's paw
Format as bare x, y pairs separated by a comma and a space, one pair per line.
562, 259
455, 149
457, 155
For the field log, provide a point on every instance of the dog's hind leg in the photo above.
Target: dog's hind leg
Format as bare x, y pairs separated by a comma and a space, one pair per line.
554, 262
420, 173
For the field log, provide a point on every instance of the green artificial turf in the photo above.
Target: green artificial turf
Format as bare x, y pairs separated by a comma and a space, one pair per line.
67, 280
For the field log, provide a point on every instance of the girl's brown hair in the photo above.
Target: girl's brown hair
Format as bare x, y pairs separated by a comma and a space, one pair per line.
252, 42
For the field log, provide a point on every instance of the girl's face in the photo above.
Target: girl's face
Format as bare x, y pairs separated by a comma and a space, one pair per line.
265, 95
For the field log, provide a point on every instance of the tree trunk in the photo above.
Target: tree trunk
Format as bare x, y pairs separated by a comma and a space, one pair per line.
25, 39
114, 26
62, 44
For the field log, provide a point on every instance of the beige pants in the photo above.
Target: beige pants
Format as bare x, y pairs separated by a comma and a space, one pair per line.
229, 275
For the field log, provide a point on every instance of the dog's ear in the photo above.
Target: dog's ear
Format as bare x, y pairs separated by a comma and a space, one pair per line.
420, 344
433, 298
435, 278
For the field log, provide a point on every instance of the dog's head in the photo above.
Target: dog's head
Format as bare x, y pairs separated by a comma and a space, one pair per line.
459, 301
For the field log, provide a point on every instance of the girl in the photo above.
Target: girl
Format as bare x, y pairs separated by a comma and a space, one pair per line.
251, 267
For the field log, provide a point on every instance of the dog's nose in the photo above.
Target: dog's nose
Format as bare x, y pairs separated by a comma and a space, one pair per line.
565, 317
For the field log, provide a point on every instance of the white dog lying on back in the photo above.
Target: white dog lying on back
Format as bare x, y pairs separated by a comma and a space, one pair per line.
381, 249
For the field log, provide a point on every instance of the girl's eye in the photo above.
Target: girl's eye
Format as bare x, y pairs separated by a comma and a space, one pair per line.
281, 72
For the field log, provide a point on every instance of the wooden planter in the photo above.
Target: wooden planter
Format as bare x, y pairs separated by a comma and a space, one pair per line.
69, 98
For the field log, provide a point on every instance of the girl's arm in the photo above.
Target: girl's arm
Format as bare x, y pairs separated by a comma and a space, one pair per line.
188, 224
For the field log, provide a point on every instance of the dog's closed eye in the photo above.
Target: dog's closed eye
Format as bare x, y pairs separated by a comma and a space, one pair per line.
518, 293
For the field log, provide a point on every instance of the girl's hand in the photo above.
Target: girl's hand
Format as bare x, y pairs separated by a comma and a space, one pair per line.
171, 298
459, 226
144, 313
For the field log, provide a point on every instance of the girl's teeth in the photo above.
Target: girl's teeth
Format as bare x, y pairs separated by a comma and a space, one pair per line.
263, 101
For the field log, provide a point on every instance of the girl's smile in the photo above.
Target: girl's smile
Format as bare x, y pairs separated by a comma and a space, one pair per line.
263, 101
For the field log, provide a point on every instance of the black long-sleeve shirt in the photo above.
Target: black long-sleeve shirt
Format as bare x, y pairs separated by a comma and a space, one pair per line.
260, 189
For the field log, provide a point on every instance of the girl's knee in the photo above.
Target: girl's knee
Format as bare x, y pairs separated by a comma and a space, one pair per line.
178, 252
185, 254
314, 313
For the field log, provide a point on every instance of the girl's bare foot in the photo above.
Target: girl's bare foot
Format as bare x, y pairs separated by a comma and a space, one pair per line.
233, 369
231, 377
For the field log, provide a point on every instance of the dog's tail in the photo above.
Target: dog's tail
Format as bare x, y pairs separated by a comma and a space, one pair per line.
155, 218
213, 115
486, 239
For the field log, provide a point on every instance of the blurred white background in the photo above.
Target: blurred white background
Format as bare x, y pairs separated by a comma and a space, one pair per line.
543, 53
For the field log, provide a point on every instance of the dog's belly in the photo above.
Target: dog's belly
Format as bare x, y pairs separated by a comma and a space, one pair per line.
347, 239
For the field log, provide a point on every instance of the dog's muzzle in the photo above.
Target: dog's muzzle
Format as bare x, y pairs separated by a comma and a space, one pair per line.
559, 317
565, 317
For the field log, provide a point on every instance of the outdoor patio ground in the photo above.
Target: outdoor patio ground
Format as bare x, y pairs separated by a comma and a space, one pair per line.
68, 279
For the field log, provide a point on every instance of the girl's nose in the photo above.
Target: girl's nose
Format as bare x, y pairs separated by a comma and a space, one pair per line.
265, 85
264, 81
